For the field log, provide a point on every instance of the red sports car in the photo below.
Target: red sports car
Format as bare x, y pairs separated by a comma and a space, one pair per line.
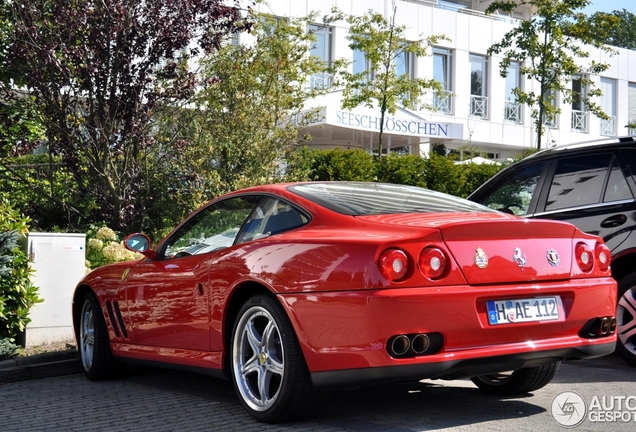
294, 289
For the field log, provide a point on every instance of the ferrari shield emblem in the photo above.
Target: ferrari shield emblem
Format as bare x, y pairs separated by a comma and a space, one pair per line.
553, 257
480, 258
124, 274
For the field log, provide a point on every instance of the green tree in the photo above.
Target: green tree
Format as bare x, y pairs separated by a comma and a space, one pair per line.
617, 28
549, 47
247, 116
96, 71
382, 87
40, 185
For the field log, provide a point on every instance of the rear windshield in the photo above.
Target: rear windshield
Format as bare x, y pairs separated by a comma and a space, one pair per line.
359, 199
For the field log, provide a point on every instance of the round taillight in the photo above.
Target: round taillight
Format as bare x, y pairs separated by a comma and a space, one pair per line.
603, 256
584, 257
432, 262
394, 264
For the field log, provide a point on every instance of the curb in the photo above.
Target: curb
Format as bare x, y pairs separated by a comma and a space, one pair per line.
40, 366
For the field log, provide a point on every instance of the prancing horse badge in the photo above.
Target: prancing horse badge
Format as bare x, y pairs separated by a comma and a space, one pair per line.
519, 258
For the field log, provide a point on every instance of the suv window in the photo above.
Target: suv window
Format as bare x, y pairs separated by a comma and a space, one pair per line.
579, 181
617, 188
515, 191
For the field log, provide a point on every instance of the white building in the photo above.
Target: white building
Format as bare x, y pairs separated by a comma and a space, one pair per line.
482, 116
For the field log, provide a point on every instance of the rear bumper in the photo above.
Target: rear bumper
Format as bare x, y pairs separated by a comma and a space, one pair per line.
454, 369
344, 334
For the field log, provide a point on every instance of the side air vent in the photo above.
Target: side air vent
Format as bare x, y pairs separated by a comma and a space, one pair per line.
112, 319
116, 319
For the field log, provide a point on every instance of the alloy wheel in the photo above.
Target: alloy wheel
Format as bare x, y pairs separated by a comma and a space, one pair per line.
258, 356
87, 335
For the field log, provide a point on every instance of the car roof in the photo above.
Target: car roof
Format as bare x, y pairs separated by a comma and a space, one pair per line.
628, 141
548, 154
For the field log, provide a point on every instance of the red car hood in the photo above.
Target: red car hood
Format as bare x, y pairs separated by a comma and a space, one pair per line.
498, 248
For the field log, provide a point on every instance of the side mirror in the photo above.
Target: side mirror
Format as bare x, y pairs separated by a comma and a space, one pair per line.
140, 243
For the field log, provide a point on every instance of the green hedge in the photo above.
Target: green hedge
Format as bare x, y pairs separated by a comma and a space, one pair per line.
436, 172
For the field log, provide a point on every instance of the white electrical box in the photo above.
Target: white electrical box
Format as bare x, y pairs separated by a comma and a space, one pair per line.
58, 260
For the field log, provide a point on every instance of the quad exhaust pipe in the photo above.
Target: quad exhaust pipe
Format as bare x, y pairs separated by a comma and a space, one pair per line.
411, 345
603, 326
599, 327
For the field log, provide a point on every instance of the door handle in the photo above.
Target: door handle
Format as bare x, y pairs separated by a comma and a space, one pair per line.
614, 221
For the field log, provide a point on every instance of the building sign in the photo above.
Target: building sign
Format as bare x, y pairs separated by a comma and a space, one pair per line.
396, 125
310, 117
369, 121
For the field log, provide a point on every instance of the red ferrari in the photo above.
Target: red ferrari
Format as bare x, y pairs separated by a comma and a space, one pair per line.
291, 290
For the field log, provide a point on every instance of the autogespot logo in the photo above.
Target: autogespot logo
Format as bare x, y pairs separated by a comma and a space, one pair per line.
569, 409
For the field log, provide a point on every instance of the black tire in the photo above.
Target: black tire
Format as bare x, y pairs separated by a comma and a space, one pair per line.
266, 358
626, 319
517, 382
94, 344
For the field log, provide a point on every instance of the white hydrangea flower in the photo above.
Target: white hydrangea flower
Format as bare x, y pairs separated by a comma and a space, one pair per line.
106, 233
116, 252
95, 244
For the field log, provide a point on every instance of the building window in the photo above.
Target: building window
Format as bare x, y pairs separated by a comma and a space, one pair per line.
478, 86
322, 48
442, 69
631, 107
608, 105
360, 63
512, 110
579, 111
404, 64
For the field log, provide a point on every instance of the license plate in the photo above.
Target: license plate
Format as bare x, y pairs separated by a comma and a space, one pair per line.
524, 310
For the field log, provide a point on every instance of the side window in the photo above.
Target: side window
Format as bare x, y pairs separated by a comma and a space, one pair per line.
514, 193
578, 181
213, 228
617, 188
629, 158
272, 216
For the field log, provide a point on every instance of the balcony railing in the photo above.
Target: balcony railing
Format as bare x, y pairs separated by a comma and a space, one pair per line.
320, 81
512, 112
443, 103
479, 106
608, 127
579, 121
550, 121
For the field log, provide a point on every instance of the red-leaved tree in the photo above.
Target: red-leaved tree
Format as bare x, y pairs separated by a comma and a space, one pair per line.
96, 70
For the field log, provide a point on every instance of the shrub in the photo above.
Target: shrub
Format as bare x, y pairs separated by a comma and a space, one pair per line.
407, 170
17, 294
337, 164
8, 349
443, 175
475, 175
436, 172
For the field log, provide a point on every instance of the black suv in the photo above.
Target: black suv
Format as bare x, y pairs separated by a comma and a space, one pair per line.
591, 185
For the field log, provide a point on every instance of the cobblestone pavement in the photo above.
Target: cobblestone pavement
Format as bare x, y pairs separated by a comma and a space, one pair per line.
150, 399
